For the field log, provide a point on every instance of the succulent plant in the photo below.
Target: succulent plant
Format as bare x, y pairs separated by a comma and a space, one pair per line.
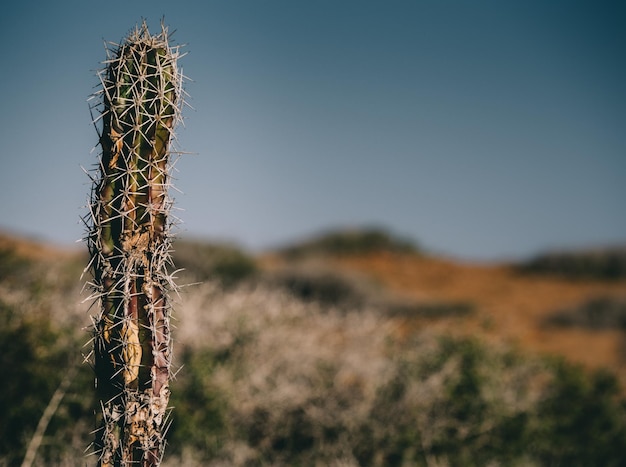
138, 105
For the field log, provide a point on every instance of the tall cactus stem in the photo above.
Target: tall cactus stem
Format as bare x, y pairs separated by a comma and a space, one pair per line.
138, 104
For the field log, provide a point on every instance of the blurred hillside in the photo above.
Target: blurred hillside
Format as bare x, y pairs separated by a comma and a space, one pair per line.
570, 304
351, 348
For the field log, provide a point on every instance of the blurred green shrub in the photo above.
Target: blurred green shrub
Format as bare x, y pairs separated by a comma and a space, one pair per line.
205, 261
581, 421
607, 264
431, 310
458, 403
351, 242
576, 419
322, 286
12, 266
596, 313
199, 419
447, 407
34, 356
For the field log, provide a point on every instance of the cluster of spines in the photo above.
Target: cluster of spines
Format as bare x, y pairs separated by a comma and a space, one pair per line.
138, 105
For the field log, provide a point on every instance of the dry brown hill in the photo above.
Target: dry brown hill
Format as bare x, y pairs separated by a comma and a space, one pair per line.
520, 309
579, 316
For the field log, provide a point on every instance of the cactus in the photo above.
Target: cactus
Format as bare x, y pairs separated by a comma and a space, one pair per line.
139, 104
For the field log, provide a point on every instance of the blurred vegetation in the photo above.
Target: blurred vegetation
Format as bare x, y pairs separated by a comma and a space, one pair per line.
323, 286
202, 261
274, 374
199, 421
609, 264
331, 288
432, 310
12, 266
35, 356
596, 313
351, 242
449, 406
581, 422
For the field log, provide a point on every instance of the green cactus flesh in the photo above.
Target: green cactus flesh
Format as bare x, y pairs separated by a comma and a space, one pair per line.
129, 243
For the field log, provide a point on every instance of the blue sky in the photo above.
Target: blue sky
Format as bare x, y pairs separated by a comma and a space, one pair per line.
482, 130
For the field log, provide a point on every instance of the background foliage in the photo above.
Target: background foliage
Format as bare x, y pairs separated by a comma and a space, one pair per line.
302, 367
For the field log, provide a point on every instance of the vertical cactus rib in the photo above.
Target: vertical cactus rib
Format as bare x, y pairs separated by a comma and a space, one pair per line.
139, 104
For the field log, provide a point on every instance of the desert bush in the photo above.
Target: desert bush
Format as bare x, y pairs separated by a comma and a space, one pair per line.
35, 356
580, 421
351, 242
326, 287
302, 384
317, 283
12, 266
278, 359
199, 419
452, 403
607, 264
597, 313
467, 405
430, 310
202, 261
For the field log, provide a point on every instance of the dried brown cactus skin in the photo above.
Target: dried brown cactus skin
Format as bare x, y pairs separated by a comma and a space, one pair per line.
139, 105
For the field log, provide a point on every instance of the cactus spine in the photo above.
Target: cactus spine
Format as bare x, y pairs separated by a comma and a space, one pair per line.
139, 103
